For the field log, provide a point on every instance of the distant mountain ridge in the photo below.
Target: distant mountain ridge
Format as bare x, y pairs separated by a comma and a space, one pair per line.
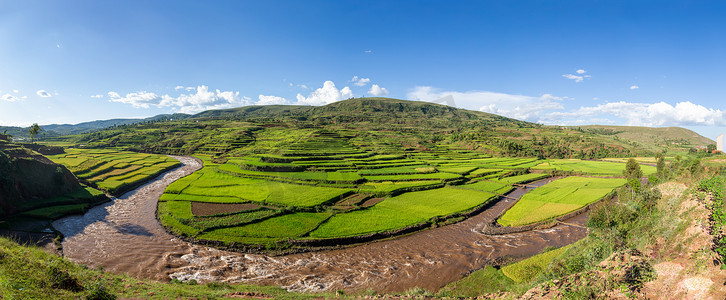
52, 130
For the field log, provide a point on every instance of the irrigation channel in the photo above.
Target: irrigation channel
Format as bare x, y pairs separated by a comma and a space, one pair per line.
123, 236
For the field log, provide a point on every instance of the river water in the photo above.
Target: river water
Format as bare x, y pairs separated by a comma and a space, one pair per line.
124, 236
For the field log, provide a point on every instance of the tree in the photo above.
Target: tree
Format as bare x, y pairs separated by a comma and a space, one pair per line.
660, 166
33, 130
632, 170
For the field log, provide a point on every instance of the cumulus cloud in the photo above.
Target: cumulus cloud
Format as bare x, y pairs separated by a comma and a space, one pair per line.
9, 98
378, 91
515, 106
270, 100
141, 99
43, 93
16, 91
634, 87
202, 99
580, 71
99, 96
325, 95
360, 81
650, 114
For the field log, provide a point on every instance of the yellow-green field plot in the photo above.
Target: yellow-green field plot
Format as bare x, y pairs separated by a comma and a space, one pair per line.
600, 168
558, 198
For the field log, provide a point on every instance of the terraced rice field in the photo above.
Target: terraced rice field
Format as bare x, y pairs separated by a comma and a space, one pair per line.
401, 211
330, 188
114, 171
558, 198
323, 186
598, 168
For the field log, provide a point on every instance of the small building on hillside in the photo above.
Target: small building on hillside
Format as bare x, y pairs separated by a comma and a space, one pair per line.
719, 143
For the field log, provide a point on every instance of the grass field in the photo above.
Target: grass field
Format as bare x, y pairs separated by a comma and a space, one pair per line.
558, 198
114, 171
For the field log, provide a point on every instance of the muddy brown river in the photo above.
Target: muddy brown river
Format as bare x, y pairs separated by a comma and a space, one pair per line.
124, 236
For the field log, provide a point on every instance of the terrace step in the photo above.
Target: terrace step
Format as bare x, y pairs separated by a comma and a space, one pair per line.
353, 199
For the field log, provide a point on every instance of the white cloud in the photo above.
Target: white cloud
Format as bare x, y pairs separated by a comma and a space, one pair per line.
577, 78
290, 84
325, 95
516, 106
99, 96
573, 77
634, 87
9, 98
141, 99
303, 86
360, 81
378, 91
178, 87
368, 51
203, 99
43, 93
270, 100
647, 114
16, 91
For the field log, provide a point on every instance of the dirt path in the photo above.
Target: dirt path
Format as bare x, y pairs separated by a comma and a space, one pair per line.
124, 236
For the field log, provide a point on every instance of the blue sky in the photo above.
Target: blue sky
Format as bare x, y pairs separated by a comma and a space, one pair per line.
653, 63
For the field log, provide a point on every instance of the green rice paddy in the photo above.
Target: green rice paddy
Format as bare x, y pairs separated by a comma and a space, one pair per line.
600, 168
558, 198
321, 185
114, 171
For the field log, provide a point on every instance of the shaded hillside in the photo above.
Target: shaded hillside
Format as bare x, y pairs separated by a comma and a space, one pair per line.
379, 124
29, 180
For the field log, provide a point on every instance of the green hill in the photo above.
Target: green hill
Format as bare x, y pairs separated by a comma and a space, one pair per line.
381, 123
651, 137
